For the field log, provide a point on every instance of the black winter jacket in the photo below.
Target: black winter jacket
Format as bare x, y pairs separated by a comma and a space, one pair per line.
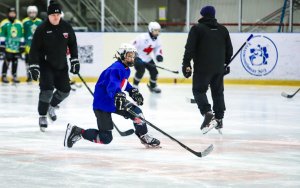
50, 43
209, 46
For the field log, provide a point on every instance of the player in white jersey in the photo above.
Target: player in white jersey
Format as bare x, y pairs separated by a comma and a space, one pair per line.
146, 44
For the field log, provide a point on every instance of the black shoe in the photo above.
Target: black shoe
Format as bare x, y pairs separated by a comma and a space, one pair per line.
149, 141
154, 89
4, 80
15, 80
219, 125
43, 123
29, 80
208, 116
73, 134
208, 122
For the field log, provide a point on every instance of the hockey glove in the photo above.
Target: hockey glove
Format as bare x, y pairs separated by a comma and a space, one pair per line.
187, 70
159, 58
2, 55
226, 70
22, 49
2, 48
136, 96
34, 71
75, 65
120, 100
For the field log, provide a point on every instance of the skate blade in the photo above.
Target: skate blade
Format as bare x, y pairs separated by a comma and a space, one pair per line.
43, 129
67, 134
212, 125
220, 131
151, 147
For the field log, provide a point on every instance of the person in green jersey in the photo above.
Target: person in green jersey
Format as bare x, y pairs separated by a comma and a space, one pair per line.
11, 43
30, 24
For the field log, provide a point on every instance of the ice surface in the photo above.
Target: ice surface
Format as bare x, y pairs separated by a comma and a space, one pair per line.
260, 146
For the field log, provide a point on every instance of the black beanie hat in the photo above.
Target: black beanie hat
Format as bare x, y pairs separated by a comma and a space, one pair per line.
53, 8
11, 9
208, 11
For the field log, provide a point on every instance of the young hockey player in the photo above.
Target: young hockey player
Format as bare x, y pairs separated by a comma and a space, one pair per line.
145, 44
48, 62
30, 24
110, 98
210, 47
11, 43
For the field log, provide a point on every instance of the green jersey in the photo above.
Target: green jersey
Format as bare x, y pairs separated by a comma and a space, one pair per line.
29, 26
11, 35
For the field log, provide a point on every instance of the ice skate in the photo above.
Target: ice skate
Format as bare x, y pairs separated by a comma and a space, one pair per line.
51, 113
73, 134
4, 80
29, 80
208, 123
219, 126
15, 80
154, 89
43, 123
149, 141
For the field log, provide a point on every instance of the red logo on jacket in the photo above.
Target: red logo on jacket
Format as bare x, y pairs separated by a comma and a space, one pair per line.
66, 35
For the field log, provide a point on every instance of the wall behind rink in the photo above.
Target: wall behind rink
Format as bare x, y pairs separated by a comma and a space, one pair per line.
267, 56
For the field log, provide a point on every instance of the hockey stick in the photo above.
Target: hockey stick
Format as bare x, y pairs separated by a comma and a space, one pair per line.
198, 154
291, 95
125, 133
153, 65
236, 53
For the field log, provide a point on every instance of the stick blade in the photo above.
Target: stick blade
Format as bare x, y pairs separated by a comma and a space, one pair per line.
284, 94
127, 133
206, 151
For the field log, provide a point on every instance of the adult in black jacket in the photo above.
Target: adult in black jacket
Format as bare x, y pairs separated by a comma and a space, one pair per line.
210, 47
48, 62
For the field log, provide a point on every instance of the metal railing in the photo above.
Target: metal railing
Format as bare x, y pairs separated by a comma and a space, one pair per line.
275, 17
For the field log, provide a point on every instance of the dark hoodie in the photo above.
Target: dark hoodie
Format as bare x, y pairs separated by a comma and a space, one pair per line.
50, 43
209, 46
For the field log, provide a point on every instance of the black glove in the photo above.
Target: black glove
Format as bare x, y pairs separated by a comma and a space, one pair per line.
22, 49
159, 58
226, 70
2, 48
185, 72
75, 65
120, 100
34, 71
2, 55
136, 96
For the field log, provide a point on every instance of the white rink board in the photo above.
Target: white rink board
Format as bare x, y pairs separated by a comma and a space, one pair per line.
104, 46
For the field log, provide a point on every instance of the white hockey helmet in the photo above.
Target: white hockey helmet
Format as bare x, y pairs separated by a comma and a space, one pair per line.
153, 26
124, 49
32, 9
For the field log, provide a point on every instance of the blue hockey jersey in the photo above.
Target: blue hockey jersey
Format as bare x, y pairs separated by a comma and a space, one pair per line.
112, 80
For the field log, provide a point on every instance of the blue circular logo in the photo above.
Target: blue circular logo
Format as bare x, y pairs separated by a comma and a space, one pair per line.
259, 56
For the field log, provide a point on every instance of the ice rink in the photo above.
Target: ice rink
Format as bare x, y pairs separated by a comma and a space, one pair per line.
260, 145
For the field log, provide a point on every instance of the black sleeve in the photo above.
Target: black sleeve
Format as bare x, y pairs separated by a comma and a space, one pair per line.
229, 49
72, 43
36, 47
190, 46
